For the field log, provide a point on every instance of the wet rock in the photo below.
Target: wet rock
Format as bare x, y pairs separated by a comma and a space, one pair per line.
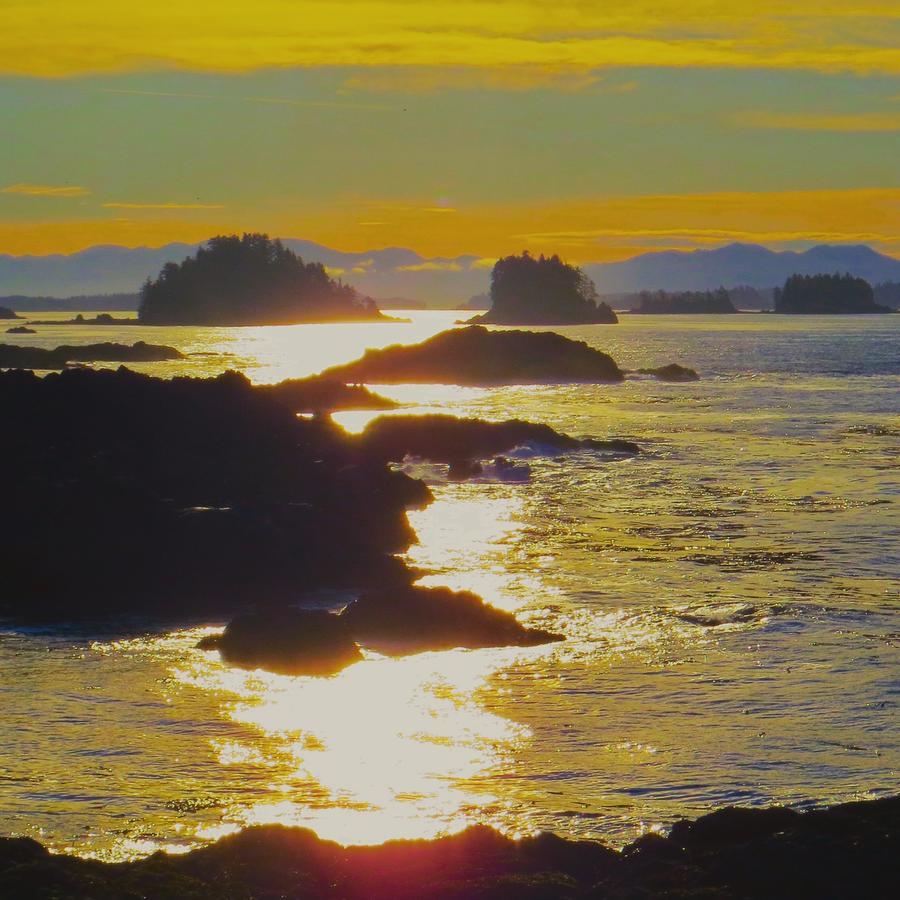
13, 357
671, 372
477, 356
287, 641
172, 497
448, 439
413, 619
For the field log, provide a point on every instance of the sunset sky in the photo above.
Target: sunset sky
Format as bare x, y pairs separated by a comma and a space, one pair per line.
594, 129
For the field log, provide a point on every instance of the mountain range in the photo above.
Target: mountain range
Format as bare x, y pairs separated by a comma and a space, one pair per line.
397, 272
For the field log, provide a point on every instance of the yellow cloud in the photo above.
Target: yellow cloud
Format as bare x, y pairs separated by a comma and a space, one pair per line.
587, 229
164, 206
45, 190
486, 262
853, 122
60, 38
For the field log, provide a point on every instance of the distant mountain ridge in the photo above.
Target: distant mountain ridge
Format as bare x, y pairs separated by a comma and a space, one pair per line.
735, 264
441, 281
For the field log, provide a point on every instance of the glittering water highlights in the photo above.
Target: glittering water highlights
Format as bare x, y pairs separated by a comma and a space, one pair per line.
729, 599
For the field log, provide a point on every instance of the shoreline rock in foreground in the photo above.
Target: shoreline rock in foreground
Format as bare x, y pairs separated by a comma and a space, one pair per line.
475, 356
184, 496
844, 851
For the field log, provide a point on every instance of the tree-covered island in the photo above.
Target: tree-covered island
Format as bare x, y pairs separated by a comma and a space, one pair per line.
827, 294
542, 290
250, 280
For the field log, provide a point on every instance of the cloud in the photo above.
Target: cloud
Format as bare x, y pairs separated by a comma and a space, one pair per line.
518, 38
849, 122
486, 262
431, 266
439, 209
45, 190
164, 206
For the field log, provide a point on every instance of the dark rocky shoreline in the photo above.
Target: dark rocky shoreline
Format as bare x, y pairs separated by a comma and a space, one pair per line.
846, 851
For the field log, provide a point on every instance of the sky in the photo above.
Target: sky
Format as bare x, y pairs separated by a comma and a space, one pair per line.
595, 130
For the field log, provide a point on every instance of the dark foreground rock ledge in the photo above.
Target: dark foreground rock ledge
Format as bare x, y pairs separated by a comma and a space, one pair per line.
846, 851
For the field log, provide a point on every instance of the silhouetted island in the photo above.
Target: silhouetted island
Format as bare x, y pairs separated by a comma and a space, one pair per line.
849, 850
99, 319
827, 294
14, 357
20, 329
477, 356
6, 313
685, 302
543, 290
250, 280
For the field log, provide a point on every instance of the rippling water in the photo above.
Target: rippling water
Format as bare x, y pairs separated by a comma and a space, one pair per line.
729, 598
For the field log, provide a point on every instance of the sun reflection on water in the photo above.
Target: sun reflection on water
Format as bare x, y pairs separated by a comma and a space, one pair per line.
379, 750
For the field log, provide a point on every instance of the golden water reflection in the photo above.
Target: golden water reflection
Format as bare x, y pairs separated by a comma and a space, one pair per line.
378, 751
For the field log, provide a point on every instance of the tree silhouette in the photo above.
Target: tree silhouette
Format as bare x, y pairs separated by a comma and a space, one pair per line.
248, 280
543, 290
717, 301
826, 294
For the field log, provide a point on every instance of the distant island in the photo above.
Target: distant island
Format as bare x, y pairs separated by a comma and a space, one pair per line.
6, 313
707, 302
99, 319
250, 280
543, 290
81, 302
477, 301
827, 294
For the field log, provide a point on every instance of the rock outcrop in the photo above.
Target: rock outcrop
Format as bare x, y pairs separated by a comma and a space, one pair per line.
13, 357
671, 372
412, 619
477, 356
448, 439
138, 494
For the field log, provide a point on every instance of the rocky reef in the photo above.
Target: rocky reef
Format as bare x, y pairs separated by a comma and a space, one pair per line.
448, 439
477, 356
20, 329
13, 357
848, 850
671, 372
137, 494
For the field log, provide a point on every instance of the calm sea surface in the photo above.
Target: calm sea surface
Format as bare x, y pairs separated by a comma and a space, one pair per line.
730, 599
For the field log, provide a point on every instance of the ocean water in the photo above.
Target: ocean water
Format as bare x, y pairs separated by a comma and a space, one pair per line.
729, 598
